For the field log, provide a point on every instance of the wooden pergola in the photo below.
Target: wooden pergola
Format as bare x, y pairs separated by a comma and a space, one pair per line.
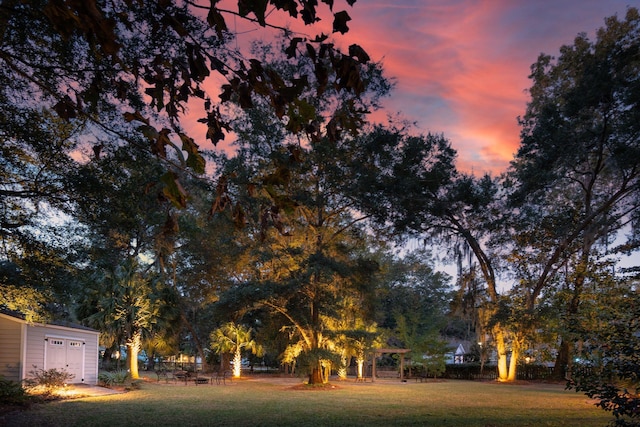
380, 351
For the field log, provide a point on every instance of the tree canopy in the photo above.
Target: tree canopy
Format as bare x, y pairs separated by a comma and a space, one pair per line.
112, 210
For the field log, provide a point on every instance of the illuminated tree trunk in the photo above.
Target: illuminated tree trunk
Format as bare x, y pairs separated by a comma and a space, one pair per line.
326, 368
237, 362
360, 363
133, 350
342, 371
513, 364
501, 347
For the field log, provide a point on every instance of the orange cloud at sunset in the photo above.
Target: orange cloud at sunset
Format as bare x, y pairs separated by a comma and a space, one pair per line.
461, 66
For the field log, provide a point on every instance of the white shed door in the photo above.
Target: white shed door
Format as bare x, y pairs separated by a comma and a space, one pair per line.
75, 357
56, 354
66, 354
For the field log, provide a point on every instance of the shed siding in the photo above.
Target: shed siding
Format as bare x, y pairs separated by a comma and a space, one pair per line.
34, 356
10, 334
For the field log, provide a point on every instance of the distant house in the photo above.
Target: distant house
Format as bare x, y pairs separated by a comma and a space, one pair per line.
25, 347
456, 354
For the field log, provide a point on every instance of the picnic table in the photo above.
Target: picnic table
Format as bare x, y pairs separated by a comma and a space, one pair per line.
196, 377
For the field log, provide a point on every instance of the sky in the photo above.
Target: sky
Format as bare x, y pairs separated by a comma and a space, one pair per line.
462, 66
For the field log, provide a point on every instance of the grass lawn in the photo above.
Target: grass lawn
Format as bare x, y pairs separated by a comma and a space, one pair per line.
271, 401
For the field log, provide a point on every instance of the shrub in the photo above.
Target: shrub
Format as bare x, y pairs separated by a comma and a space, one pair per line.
49, 380
110, 379
610, 357
12, 393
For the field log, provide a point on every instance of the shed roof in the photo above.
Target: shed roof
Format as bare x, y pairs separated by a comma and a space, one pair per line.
19, 317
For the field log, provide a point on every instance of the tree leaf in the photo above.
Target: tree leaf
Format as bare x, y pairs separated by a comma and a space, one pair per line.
340, 20
216, 20
328, 2
288, 6
293, 45
129, 117
359, 53
195, 161
258, 7
198, 69
159, 146
173, 190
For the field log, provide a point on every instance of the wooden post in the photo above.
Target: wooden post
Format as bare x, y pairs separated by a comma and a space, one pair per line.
373, 367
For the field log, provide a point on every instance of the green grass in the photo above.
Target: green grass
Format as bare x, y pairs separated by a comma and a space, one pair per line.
275, 402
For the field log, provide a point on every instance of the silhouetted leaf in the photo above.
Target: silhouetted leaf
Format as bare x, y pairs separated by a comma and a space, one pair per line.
340, 20
197, 67
293, 45
288, 6
328, 2
258, 7
359, 53
216, 20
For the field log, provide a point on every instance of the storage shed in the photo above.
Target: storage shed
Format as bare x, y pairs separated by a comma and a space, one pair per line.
25, 347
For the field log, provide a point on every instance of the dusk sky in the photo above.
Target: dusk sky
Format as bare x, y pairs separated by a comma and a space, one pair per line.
462, 66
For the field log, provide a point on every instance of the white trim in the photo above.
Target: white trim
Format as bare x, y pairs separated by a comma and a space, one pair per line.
64, 337
97, 361
23, 351
84, 346
44, 353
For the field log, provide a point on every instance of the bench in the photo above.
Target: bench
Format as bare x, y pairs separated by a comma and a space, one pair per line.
221, 377
420, 377
201, 380
188, 376
197, 377
182, 376
387, 374
166, 375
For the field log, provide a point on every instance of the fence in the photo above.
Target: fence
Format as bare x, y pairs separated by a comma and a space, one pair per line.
472, 371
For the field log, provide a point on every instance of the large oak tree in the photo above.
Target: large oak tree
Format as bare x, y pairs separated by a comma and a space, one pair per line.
576, 177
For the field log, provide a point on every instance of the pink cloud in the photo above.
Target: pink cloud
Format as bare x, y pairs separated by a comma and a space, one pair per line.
461, 66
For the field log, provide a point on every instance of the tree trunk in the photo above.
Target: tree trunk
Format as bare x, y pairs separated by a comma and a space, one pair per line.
315, 377
237, 363
562, 368
562, 361
326, 368
133, 349
196, 341
360, 363
342, 371
224, 362
513, 364
501, 347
